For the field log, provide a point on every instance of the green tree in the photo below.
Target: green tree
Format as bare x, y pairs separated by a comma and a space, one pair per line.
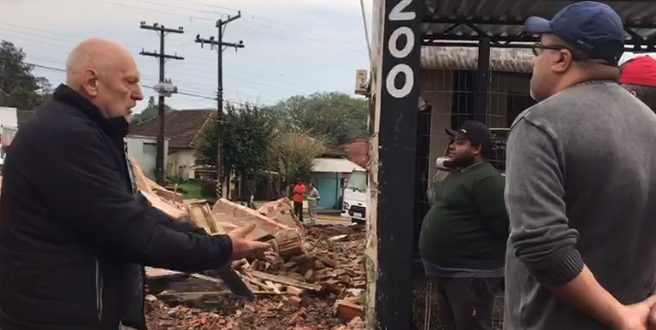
336, 117
150, 112
247, 135
18, 86
293, 154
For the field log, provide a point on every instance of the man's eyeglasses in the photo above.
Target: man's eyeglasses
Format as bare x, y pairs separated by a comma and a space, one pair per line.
538, 48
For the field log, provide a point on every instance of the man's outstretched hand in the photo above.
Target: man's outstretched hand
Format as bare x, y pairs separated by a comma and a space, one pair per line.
241, 247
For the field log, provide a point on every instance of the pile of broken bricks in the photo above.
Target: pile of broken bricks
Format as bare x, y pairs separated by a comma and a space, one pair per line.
315, 277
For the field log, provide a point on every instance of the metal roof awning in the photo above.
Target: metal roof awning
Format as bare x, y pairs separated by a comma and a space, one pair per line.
334, 165
464, 22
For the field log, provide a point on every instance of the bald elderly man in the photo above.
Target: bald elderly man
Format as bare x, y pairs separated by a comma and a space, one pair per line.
75, 233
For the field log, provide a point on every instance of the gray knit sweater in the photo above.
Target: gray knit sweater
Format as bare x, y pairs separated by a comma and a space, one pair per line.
580, 189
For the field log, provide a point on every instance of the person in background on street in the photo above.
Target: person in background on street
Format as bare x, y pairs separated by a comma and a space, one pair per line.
580, 184
313, 200
75, 234
463, 236
299, 197
639, 78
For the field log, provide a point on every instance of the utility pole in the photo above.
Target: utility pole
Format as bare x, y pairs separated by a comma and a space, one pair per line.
164, 88
220, 25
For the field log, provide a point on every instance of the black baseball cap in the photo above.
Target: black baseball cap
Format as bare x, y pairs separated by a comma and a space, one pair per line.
475, 132
592, 27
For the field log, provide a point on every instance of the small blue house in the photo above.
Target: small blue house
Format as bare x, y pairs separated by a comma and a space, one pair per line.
330, 175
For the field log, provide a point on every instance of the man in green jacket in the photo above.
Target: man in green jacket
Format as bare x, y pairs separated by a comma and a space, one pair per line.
463, 236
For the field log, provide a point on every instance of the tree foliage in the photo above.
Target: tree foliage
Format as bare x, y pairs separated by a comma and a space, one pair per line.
293, 154
19, 88
336, 117
247, 135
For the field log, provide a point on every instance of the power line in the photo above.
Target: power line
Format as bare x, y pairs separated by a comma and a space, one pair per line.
262, 80
186, 74
268, 74
322, 41
154, 10
48, 67
45, 67
266, 79
289, 27
178, 7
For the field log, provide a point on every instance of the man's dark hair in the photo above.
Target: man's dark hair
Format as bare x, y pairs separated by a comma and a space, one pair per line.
646, 94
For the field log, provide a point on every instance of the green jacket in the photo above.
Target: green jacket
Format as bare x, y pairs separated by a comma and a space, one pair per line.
467, 226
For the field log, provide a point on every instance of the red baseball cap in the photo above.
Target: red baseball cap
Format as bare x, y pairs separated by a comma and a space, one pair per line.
639, 71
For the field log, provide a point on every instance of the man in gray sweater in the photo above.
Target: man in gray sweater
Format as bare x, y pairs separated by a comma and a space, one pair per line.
581, 184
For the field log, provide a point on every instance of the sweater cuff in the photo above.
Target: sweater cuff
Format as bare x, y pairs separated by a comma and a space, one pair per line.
563, 271
225, 248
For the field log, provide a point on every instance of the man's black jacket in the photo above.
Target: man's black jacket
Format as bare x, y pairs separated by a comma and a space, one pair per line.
71, 228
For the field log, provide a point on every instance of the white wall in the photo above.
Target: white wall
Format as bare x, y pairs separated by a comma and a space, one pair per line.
8, 133
143, 149
8, 117
181, 164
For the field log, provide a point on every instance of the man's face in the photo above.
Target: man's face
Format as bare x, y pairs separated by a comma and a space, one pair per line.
544, 79
462, 153
119, 89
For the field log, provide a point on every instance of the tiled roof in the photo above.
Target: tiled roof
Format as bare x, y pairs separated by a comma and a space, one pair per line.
181, 127
357, 151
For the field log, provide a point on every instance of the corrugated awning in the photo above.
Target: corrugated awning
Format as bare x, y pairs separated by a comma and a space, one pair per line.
463, 22
334, 165
466, 58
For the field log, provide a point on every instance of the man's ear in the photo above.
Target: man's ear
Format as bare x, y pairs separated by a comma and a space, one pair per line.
90, 82
634, 93
477, 149
563, 61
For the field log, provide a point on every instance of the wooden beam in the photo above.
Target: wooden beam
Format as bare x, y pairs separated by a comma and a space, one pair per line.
285, 281
140, 177
166, 207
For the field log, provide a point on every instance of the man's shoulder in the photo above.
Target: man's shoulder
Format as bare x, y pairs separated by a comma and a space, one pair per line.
55, 125
487, 170
58, 116
578, 101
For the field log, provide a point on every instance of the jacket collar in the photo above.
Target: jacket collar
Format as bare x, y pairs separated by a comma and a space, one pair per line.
114, 127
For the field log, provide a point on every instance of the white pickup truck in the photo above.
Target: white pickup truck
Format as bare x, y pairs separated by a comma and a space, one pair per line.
355, 197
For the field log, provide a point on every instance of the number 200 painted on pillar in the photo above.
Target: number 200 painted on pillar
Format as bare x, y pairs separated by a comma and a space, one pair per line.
398, 14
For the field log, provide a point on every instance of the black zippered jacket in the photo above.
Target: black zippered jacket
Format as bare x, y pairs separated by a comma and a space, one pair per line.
74, 236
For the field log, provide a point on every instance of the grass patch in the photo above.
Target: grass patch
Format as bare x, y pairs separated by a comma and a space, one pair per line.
190, 190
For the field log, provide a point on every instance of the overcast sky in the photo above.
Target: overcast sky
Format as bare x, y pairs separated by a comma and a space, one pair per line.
291, 46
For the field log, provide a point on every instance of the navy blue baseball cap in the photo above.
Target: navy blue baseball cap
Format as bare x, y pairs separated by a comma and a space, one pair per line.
592, 27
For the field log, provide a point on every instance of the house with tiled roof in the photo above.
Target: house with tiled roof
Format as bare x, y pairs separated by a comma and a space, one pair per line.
357, 151
182, 130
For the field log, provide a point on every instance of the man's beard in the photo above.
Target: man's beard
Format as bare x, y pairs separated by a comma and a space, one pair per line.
460, 162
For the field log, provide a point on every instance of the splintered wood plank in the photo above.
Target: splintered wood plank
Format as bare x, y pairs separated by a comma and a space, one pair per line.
285, 280
140, 177
167, 194
211, 221
281, 211
152, 272
198, 217
241, 215
168, 208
